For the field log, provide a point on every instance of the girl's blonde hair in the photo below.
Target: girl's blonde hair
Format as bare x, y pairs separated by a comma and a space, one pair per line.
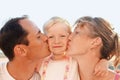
52, 21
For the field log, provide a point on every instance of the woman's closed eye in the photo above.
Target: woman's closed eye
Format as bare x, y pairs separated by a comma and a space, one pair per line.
38, 36
50, 36
76, 32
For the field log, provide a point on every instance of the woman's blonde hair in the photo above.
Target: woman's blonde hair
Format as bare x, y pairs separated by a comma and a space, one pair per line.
110, 40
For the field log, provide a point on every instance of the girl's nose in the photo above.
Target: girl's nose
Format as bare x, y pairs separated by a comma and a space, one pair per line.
57, 40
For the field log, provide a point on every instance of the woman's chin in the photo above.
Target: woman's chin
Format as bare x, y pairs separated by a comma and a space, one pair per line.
70, 53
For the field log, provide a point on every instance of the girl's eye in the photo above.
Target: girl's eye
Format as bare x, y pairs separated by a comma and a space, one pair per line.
62, 36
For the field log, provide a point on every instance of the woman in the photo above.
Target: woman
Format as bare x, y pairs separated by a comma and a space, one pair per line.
93, 39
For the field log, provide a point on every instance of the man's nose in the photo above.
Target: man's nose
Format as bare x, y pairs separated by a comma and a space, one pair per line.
45, 37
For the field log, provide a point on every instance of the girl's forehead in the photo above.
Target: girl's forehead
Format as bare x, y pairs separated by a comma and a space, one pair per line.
58, 28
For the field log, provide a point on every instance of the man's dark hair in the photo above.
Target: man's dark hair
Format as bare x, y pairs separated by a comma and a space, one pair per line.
12, 34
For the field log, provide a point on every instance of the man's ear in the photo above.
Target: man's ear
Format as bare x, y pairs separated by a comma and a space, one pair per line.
20, 50
96, 42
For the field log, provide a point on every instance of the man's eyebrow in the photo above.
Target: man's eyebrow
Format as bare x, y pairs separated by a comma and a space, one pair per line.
38, 32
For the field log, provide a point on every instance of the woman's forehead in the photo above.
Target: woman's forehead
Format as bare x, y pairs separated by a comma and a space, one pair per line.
84, 29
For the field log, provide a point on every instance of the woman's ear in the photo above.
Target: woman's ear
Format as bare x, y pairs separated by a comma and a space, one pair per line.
96, 42
20, 50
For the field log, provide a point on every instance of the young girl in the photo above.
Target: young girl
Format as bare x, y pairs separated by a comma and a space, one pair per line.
59, 66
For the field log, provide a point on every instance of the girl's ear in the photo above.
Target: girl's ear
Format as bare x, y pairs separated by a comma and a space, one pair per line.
20, 50
97, 42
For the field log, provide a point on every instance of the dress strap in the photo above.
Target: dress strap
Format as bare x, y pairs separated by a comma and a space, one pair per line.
117, 76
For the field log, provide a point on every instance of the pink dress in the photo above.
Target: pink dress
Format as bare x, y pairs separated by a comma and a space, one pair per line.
117, 76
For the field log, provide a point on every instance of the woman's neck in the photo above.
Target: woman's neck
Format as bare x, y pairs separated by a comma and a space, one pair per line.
87, 65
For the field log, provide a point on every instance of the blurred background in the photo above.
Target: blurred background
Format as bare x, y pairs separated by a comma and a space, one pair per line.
40, 11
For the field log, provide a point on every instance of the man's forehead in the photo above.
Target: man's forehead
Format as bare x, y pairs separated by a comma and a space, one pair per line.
26, 23
29, 25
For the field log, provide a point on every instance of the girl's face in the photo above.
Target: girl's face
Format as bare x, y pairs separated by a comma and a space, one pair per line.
58, 38
79, 41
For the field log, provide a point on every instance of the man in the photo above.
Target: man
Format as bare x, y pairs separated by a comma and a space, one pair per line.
24, 45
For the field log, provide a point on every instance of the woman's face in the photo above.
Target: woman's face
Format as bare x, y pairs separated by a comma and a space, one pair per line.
58, 38
79, 41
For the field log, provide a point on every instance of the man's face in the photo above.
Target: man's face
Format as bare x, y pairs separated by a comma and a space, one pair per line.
38, 47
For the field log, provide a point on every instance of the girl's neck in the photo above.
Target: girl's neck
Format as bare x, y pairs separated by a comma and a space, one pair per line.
58, 56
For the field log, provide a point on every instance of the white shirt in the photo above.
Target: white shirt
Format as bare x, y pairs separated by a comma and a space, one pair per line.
4, 74
55, 70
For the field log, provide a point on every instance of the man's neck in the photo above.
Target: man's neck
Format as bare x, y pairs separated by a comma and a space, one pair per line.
21, 70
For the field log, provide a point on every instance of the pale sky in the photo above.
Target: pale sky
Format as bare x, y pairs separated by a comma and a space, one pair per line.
40, 11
